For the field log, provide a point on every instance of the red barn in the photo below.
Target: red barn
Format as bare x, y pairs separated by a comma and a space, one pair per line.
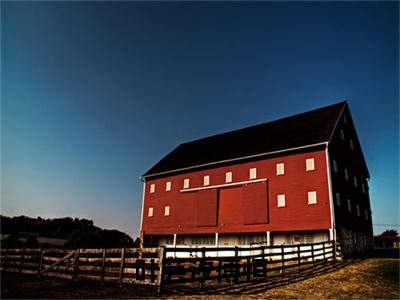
294, 180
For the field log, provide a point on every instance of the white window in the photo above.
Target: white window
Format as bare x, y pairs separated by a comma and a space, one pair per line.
280, 169
206, 180
348, 205
281, 201
358, 210
152, 188
166, 211
366, 214
355, 181
150, 212
346, 174
310, 164
351, 145
228, 177
363, 187
253, 173
335, 166
312, 197
342, 134
337, 199
168, 186
186, 183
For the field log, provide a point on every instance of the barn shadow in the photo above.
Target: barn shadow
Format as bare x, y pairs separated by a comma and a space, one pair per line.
255, 286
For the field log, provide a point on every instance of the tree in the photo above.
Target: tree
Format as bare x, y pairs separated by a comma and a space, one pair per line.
390, 232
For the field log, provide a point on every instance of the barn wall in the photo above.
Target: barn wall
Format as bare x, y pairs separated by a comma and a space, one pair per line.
199, 212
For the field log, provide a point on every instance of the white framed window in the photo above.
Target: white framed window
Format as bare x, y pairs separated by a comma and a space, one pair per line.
351, 145
280, 169
358, 210
281, 201
310, 164
335, 166
228, 177
152, 188
186, 183
206, 180
346, 174
337, 199
366, 214
312, 197
150, 212
348, 205
253, 173
168, 186
166, 211
342, 134
355, 181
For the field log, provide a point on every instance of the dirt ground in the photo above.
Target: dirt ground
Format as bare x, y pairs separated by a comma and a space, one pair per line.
358, 279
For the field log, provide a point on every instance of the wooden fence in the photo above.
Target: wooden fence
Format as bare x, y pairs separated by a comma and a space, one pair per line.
160, 266
119, 265
247, 263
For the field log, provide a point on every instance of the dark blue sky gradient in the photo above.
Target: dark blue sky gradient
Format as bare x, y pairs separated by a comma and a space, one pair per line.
95, 93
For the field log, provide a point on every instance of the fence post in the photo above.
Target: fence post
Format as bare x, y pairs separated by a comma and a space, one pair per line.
161, 268
312, 254
237, 266
334, 249
298, 257
40, 261
323, 250
219, 269
103, 266
5, 259
248, 269
263, 262
283, 258
121, 270
76, 266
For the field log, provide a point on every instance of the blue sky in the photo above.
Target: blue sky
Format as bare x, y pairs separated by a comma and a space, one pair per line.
95, 93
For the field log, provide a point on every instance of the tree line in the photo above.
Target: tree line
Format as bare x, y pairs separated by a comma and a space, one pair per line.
79, 233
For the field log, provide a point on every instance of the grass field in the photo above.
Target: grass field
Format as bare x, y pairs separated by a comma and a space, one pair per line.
363, 279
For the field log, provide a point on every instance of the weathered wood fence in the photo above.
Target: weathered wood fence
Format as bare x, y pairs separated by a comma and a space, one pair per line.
199, 265
119, 265
161, 266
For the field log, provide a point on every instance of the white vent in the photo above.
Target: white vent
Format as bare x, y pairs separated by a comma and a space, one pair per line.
312, 197
206, 180
150, 212
152, 188
228, 177
253, 173
168, 186
281, 201
280, 169
186, 183
337, 199
346, 174
335, 166
166, 211
310, 164
348, 205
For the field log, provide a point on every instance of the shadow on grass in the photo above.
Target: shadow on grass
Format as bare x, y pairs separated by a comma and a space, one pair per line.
255, 286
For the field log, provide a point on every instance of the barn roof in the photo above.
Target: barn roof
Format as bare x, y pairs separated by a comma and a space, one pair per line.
303, 129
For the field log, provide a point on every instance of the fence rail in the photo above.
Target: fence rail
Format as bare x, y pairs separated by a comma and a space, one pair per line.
119, 265
161, 266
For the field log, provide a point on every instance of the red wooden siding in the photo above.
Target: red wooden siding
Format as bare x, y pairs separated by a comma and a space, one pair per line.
243, 208
254, 203
207, 207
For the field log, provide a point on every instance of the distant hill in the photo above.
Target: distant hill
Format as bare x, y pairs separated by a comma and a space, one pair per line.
69, 232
